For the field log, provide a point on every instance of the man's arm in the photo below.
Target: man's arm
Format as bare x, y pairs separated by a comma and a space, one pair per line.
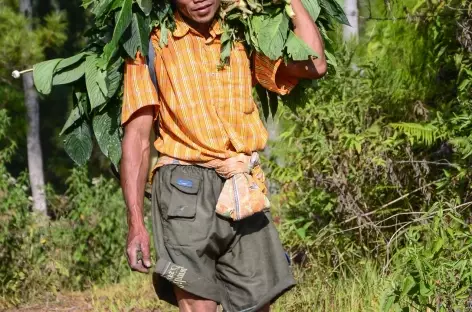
306, 29
134, 174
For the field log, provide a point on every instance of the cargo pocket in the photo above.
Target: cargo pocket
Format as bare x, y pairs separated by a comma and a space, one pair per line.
183, 202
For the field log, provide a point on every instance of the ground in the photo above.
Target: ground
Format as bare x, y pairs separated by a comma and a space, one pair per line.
314, 292
135, 294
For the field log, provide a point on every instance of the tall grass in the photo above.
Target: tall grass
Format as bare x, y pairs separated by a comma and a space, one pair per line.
316, 291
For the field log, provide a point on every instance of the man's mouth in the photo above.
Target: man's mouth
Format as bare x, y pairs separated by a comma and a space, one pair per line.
203, 8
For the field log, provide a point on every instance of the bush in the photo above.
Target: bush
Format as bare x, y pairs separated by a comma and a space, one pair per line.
83, 245
376, 164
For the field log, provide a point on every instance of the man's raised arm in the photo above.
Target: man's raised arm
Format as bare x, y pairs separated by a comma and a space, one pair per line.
134, 174
306, 30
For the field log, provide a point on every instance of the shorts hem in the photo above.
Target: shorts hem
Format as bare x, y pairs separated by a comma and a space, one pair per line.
275, 293
168, 275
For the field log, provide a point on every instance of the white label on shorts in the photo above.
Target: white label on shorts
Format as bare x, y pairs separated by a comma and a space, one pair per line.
176, 274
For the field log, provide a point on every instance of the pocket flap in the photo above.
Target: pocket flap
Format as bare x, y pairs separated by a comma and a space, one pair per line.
186, 184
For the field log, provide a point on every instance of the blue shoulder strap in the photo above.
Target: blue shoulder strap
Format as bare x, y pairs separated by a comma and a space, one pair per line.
152, 73
150, 62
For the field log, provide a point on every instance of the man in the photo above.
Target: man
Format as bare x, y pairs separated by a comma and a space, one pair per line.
209, 127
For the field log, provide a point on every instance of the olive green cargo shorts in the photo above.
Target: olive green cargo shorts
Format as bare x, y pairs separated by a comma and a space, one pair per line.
239, 264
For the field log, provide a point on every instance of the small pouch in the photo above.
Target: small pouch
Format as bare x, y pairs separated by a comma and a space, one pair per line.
183, 203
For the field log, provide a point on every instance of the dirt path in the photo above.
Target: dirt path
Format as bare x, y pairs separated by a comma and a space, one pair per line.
133, 297
63, 303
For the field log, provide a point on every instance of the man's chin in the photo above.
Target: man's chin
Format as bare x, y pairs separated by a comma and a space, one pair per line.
206, 19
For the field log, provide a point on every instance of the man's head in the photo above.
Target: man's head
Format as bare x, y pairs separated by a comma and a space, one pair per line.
198, 11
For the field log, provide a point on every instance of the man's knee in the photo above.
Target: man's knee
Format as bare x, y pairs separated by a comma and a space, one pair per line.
191, 303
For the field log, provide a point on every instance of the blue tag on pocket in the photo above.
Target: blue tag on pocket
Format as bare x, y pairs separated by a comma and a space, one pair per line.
185, 183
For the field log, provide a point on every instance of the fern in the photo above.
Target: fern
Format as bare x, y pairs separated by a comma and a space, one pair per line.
463, 145
426, 134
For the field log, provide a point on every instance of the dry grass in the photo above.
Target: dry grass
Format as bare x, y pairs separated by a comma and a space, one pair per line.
314, 292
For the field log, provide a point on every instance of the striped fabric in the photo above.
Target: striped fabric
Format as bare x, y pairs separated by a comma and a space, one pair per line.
204, 112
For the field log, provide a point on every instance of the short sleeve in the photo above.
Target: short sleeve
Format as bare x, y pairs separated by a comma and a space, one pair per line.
265, 71
139, 91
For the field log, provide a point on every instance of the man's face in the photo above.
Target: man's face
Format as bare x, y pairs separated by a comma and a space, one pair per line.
199, 11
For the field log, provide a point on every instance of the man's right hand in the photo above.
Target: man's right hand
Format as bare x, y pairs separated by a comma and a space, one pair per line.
138, 249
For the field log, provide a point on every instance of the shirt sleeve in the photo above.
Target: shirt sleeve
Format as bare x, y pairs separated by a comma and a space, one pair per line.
265, 71
139, 91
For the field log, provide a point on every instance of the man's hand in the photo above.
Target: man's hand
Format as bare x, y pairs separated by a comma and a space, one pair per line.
138, 249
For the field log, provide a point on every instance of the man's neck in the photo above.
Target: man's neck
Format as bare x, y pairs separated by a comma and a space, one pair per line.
203, 29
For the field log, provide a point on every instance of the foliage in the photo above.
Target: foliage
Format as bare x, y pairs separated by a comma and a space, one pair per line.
376, 164
99, 234
82, 245
433, 267
22, 48
122, 29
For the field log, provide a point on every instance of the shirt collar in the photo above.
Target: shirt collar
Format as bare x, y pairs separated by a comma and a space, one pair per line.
182, 28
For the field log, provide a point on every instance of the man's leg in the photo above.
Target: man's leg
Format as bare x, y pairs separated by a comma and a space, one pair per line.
191, 303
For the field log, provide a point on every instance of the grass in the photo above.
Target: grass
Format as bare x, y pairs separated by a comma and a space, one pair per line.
315, 292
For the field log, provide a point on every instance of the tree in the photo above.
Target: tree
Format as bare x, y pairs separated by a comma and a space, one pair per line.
351, 32
35, 156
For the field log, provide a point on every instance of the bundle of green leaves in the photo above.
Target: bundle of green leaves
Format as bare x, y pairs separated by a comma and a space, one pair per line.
122, 28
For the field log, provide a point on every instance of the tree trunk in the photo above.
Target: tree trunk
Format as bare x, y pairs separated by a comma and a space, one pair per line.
35, 156
351, 32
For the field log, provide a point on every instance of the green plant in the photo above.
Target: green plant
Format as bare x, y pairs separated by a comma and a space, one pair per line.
432, 268
96, 223
82, 245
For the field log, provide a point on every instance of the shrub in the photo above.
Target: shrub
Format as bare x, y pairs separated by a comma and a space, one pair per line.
83, 245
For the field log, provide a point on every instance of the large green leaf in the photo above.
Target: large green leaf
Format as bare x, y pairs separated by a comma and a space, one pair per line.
107, 133
334, 10
297, 49
114, 77
101, 8
70, 61
263, 99
273, 34
138, 36
92, 77
254, 26
122, 22
43, 75
313, 8
145, 5
78, 143
73, 117
226, 46
69, 75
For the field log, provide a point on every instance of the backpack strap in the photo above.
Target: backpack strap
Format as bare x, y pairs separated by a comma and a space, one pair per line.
150, 62
152, 73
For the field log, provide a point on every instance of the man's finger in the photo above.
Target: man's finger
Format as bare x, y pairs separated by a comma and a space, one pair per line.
146, 255
139, 267
134, 262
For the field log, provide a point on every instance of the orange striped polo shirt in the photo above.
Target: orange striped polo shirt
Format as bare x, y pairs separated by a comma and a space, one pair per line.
204, 112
